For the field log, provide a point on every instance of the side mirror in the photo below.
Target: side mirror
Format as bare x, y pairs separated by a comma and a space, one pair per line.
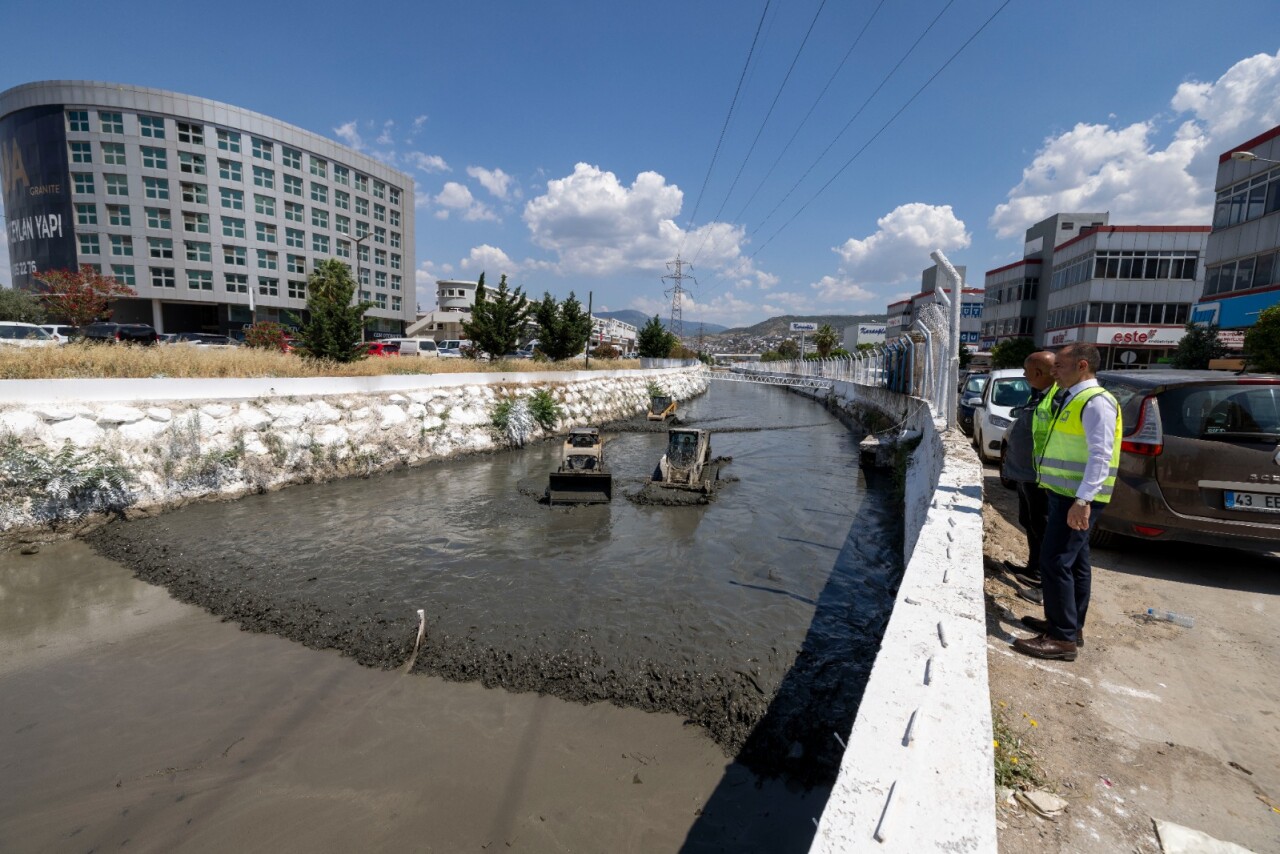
972, 400
1017, 410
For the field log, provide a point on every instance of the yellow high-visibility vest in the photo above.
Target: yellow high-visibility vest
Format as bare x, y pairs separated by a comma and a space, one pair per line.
1060, 466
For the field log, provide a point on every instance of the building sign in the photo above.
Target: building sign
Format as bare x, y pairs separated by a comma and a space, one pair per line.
1239, 312
804, 327
970, 337
1140, 336
971, 309
39, 223
1205, 314
1062, 336
1232, 339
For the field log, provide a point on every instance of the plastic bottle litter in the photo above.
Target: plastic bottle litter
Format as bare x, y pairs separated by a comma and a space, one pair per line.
1171, 617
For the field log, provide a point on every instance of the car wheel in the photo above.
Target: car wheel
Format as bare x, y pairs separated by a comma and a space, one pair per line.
982, 446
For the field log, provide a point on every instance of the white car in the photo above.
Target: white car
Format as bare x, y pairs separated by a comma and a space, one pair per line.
1006, 390
14, 334
61, 332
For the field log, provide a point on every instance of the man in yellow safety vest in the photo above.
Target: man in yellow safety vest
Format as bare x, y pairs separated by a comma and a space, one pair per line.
1076, 464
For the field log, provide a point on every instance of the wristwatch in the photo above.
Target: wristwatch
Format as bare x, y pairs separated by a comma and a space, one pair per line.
1080, 502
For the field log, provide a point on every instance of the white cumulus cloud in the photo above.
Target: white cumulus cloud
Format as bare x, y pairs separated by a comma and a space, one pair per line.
350, 135
491, 261
1135, 175
456, 198
497, 182
897, 251
427, 162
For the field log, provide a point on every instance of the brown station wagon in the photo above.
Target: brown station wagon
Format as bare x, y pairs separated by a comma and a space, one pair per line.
1200, 459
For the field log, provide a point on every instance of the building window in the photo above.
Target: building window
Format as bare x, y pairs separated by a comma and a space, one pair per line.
121, 245
365, 296
341, 175
86, 214
190, 134
395, 219
1249, 199
394, 196
395, 303
395, 261
232, 199
82, 182
163, 277
268, 287
109, 122
363, 252
89, 244
123, 273
78, 120
380, 300
199, 252
319, 167
296, 263
236, 283
195, 194
297, 289
159, 218
343, 249
232, 227
320, 218
192, 164
235, 256
81, 152
156, 188
265, 205
229, 140
293, 185
230, 170
113, 153
294, 212
268, 260
264, 177
154, 158
379, 235
200, 280
291, 157
262, 149
395, 282
160, 247
380, 257
295, 237
319, 193
342, 199
265, 232
320, 243
119, 215
395, 240
151, 126
379, 190
380, 279
362, 183
362, 206
379, 213
364, 280
117, 185
362, 228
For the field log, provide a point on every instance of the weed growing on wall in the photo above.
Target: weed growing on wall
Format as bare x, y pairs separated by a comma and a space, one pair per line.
545, 409
59, 485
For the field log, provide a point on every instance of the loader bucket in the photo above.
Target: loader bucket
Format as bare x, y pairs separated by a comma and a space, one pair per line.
580, 487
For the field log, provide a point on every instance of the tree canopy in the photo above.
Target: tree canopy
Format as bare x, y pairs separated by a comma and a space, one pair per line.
498, 320
82, 296
563, 328
653, 341
20, 306
1012, 352
1197, 347
825, 340
335, 327
1262, 341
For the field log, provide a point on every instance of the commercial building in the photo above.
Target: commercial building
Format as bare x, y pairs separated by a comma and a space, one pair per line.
1242, 256
1126, 288
454, 301
904, 313
606, 331
863, 333
203, 208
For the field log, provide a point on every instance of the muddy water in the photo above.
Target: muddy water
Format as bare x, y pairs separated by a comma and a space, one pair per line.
755, 616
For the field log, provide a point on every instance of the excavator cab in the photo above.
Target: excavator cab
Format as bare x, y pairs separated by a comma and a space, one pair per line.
582, 477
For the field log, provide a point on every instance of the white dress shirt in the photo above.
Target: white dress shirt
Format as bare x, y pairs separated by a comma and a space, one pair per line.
1099, 420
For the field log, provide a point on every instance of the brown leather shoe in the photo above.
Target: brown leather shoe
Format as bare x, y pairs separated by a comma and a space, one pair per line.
1042, 626
1043, 646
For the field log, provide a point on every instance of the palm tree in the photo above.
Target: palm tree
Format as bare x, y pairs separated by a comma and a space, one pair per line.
826, 340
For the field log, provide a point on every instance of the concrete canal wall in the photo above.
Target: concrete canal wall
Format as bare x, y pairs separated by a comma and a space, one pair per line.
187, 439
918, 772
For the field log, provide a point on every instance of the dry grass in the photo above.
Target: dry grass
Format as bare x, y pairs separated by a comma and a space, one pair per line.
79, 361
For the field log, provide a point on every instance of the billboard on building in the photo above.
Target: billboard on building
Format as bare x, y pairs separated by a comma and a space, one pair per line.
797, 326
37, 201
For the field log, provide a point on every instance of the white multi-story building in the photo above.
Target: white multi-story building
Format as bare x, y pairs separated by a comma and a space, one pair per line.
197, 205
904, 313
454, 300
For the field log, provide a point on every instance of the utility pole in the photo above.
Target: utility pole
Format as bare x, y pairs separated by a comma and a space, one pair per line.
592, 321
702, 331
676, 292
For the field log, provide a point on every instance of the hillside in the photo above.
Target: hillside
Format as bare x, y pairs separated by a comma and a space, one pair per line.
775, 326
639, 319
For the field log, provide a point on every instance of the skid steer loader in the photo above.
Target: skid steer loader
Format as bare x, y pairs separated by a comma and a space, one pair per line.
582, 477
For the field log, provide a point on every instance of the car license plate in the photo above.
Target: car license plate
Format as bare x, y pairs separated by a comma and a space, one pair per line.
1260, 502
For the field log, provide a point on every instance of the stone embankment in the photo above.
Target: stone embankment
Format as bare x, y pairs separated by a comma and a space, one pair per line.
140, 446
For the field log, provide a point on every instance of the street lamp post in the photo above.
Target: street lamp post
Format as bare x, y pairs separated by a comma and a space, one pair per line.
356, 295
1249, 157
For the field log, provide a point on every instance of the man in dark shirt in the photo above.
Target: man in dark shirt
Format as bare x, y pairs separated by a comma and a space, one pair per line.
1018, 466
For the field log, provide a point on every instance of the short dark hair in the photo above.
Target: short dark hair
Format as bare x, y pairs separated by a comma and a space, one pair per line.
1083, 350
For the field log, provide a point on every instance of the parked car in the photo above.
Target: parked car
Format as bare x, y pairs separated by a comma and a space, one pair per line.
1005, 391
61, 332
424, 347
451, 348
1199, 460
203, 339
382, 348
970, 394
125, 333
13, 334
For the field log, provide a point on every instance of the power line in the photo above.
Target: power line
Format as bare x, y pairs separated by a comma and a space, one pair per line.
729, 116
883, 127
783, 85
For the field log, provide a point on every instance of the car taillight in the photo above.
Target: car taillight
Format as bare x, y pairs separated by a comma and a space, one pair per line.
117, 334
1148, 438
1147, 531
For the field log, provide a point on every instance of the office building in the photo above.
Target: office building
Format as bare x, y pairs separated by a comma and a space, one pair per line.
199, 206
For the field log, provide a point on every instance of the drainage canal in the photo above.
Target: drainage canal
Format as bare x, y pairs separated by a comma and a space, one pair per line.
756, 616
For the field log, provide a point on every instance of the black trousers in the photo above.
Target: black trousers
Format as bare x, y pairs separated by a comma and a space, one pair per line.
1065, 573
1033, 515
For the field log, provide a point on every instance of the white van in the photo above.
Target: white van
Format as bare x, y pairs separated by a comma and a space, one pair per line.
424, 347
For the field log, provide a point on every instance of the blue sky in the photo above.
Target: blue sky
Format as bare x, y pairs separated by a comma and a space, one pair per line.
567, 144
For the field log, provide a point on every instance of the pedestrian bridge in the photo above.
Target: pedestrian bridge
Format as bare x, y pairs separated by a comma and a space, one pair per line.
774, 379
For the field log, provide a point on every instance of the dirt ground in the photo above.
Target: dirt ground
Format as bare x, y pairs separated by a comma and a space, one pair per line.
1152, 721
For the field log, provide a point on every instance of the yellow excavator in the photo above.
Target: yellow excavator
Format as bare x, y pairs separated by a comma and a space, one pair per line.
582, 477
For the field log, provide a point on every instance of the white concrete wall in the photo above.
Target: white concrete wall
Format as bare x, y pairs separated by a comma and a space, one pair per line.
213, 438
918, 773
